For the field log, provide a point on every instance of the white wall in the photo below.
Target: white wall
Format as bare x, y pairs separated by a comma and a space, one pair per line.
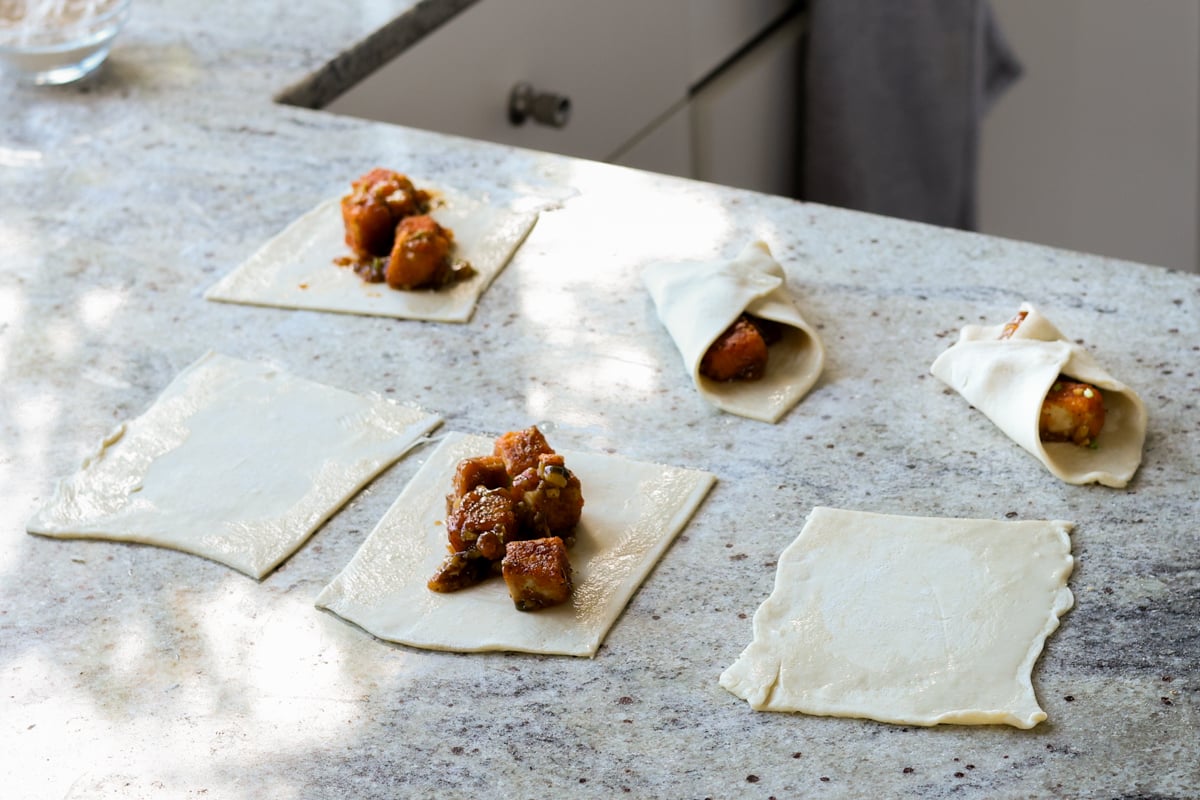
1096, 147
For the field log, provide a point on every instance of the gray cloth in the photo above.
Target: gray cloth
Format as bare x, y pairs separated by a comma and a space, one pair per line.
894, 94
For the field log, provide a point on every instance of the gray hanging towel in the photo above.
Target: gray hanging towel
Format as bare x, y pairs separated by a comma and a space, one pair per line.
894, 94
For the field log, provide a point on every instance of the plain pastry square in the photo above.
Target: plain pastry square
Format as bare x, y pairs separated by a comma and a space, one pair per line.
295, 269
911, 620
235, 461
632, 512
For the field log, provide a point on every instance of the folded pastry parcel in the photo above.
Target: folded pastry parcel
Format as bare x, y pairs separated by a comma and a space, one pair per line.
743, 305
1050, 396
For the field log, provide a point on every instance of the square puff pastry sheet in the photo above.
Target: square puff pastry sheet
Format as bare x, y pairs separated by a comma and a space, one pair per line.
295, 269
633, 511
235, 461
698, 300
1007, 379
909, 620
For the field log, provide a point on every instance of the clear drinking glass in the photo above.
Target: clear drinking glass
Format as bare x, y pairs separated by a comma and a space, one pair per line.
57, 41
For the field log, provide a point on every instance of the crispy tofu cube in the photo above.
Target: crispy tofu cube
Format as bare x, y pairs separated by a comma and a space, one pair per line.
538, 573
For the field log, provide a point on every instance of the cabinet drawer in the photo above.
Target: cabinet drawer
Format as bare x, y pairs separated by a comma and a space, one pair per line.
621, 63
719, 28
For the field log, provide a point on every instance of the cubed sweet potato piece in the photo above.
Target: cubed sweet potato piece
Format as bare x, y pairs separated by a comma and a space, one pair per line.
420, 257
538, 573
740, 353
370, 229
376, 204
1072, 412
483, 519
520, 449
548, 498
485, 471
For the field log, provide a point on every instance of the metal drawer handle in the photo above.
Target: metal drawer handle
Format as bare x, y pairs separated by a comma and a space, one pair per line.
546, 108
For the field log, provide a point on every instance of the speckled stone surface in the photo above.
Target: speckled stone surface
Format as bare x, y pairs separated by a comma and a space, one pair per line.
130, 671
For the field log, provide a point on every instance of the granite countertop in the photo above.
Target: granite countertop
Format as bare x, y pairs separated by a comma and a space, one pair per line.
133, 671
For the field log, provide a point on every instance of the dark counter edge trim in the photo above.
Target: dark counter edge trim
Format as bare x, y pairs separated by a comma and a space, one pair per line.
350, 66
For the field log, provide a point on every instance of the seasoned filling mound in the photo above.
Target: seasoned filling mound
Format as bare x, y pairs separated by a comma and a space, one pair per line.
393, 239
513, 512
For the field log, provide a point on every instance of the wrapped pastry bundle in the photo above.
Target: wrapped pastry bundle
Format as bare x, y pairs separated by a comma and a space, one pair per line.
1050, 396
740, 335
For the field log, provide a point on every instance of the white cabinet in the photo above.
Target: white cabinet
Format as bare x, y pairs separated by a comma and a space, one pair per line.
620, 63
746, 121
629, 70
665, 147
1097, 146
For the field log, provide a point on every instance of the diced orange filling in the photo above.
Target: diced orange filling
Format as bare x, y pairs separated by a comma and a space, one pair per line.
376, 204
548, 497
486, 471
421, 255
1011, 326
740, 353
393, 238
483, 519
538, 573
500, 507
1072, 412
521, 449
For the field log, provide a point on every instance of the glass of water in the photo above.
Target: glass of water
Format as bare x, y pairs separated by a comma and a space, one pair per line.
57, 41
